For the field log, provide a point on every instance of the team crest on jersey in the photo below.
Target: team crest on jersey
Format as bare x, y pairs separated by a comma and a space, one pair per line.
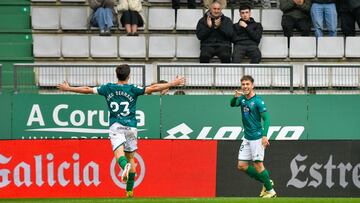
252, 104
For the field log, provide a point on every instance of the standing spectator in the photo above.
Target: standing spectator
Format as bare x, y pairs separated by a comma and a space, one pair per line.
247, 36
103, 15
324, 11
296, 15
130, 16
349, 13
215, 32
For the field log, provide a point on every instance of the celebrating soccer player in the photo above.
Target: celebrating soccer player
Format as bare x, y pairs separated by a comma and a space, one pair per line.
121, 99
255, 141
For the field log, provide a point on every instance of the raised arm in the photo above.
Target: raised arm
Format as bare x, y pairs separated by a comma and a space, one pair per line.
67, 88
158, 87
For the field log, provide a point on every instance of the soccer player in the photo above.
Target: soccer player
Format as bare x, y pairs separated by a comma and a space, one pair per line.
121, 99
255, 141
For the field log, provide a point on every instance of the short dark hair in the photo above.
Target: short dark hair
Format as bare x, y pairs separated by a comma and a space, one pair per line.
247, 77
122, 72
163, 81
244, 7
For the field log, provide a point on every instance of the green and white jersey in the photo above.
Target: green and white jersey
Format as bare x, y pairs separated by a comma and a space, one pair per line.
251, 118
121, 100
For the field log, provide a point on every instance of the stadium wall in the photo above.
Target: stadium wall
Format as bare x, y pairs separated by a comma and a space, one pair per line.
314, 151
293, 117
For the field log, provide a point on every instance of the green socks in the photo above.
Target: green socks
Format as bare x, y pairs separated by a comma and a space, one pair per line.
122, 161
262, 177
265, 178
130, 182
251, 171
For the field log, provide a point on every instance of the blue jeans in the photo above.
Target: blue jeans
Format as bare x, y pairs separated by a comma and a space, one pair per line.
102, 18
321, 12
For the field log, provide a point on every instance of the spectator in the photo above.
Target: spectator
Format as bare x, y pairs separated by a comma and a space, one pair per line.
247, 36
103, 15
179, 92
131, 18
190, 4
349, 13
214, 30
296, 15
324, 11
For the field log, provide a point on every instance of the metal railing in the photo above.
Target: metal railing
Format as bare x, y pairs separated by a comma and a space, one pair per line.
43, 78
225, 78
332, 79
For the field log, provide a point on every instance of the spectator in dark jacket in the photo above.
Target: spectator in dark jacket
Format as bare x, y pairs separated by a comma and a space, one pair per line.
296, 15
324, 12
215, 32
349, 13
247, 36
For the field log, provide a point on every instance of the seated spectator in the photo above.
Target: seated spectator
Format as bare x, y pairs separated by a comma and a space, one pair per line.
247, 36
131, 18
296, 15
349, 13
324, 11
214, 30
103, 15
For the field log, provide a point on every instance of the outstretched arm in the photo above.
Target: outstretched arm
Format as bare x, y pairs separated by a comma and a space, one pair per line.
158, 87
67, 88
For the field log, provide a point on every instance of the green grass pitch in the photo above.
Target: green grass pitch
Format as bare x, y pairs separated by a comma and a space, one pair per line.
185, 200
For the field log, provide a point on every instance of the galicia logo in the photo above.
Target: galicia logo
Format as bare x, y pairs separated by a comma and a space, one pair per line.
116, 172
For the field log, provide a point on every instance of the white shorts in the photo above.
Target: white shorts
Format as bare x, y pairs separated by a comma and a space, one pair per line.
123, 135
251, 150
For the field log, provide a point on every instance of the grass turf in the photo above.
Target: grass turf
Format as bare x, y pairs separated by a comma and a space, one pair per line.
185, 200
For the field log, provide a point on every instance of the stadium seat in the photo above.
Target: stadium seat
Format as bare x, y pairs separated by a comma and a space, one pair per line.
188, 46
330, 47
187, 18
345, 77
227, 13
161, 19
45, 17
302, 47
133, 47
103, 46
271, 19
74, 18
274, 47
75, 46
47, 45
162, 46
352, 48
255, 13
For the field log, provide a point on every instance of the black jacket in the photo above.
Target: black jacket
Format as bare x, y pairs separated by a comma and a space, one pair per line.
214, 37
251, 35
